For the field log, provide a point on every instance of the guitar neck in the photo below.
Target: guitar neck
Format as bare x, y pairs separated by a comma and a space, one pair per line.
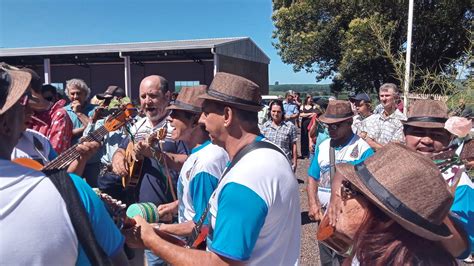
71, 154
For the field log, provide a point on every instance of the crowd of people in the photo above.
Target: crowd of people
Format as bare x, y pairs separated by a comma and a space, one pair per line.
395, 187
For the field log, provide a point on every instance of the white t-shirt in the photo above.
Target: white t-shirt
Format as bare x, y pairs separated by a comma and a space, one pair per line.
353, 152
198, 178
39, 150
35, 226
255, 211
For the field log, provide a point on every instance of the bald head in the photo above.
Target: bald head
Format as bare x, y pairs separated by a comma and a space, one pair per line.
156, 82
154, 97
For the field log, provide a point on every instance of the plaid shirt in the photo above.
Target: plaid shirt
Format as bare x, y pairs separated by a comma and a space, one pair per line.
56, 126
283, 135
384, 129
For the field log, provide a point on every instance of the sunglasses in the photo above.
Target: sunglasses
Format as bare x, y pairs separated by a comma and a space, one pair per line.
333, 126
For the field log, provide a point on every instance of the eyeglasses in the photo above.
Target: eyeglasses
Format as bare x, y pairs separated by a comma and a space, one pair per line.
348, 191
24, 99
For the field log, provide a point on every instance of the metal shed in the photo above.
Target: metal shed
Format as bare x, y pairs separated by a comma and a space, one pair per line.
182, 63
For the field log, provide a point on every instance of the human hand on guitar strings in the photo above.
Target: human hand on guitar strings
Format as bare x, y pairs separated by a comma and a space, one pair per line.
142, 149
87, 148
139, 235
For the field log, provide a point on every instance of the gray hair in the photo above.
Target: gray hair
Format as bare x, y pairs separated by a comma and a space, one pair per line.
387, 86
78, 83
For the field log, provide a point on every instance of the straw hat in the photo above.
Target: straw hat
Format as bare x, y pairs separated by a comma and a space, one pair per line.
337, 111
14, 84
427, 114
188, 99
235, 91
407, 186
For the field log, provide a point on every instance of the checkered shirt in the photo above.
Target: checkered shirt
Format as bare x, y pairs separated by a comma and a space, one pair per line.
283, 135
385, 129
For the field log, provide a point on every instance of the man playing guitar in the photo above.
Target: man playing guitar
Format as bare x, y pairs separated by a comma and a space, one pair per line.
153, 185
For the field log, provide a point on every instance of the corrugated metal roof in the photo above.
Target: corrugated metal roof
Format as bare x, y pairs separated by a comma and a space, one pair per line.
132, 47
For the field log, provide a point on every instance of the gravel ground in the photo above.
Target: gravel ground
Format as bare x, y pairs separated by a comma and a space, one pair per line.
309, 246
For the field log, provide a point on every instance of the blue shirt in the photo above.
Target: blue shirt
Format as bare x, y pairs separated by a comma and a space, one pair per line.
107, 234
76, 123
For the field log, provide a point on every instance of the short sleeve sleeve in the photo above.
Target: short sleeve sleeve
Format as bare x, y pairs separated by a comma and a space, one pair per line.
240, 217
107, 234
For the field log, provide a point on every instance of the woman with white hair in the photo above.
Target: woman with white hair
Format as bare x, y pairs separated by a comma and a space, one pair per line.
79, 110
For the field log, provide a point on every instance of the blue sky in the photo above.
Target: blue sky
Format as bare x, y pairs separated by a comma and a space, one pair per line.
70, 22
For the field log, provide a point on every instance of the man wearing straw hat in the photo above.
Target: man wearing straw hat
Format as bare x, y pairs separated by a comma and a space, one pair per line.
343, 146
425, 133
201, 170
36, 227
254, 211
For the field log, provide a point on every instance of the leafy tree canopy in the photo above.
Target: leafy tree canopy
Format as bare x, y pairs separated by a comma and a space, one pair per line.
342, 39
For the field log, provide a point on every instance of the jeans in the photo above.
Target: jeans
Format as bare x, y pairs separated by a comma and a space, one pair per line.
153, 260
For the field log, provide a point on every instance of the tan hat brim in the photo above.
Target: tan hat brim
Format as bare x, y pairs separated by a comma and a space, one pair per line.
246, 107
183, 108
328, 120
348, 171
20, 81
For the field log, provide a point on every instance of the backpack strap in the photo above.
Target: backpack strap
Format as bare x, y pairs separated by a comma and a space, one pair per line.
79, 218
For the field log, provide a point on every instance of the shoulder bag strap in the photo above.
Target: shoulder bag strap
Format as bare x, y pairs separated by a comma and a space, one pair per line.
79, 218
332, 162
244, 151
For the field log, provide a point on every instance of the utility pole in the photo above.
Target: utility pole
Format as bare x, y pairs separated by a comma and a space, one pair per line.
406, 83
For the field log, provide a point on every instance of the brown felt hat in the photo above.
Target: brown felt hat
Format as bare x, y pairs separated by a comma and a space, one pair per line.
110, 92
337, 111
188, 99
427, 114
407, 186
235, 91
13, 84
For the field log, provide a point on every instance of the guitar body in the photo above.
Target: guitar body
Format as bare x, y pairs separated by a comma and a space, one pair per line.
30, 163
134, 168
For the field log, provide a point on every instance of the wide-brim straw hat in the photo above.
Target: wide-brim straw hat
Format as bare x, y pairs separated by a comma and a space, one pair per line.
235, 91
407, 186
427, 114
337, 111
18, 82
188, 99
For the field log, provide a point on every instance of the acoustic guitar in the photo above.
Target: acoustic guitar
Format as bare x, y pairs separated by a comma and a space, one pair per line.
134, 165
114, 122
117, 211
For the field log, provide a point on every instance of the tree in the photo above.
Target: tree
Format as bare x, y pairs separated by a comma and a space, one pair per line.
328, 37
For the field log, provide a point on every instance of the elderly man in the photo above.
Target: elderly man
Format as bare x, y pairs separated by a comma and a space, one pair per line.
425, 133
29, 195
343, 146
256, 204
155, 184
380, 129
79, 110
